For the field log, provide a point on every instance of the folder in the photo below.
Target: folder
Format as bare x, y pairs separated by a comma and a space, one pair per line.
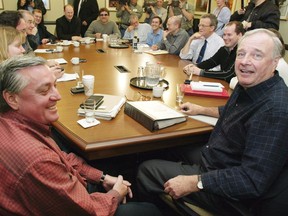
153, 115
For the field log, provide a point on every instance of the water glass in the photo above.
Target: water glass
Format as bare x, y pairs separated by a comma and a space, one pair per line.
179, 93
89, 108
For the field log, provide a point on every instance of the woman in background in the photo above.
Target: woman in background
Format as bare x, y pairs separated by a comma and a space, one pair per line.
223, 13
11, 41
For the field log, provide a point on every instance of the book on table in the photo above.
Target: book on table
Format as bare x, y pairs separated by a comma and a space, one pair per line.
153, 115
109, 108
156, 52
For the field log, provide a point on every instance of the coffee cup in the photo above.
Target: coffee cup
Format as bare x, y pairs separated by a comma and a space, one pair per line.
75, 60
88, 82
76, 44
59, 48
87, 40
65, 42
158, 91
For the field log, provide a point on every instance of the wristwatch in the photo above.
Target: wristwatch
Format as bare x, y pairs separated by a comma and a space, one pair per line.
199, 184
102, 178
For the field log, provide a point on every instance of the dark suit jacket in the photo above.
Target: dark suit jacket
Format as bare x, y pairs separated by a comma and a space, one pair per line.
89, 11
65, 29
44, 33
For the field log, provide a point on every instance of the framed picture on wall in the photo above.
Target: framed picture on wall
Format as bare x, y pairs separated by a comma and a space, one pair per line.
283, 7
201, 6
1, 4
111, 4
231, 4
46, 4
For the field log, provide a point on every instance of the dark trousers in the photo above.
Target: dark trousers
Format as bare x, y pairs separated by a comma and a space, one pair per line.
154, 173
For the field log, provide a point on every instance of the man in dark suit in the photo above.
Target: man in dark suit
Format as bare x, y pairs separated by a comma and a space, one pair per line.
87, 11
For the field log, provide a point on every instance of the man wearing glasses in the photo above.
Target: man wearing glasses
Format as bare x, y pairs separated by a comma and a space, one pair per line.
102, 26
204, 44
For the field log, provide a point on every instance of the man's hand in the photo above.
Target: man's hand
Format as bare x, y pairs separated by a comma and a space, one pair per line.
181, 186
98, 35
122, 187
130, 28
154, 47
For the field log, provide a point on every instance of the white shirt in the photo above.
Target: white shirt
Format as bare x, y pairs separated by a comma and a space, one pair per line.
214, 42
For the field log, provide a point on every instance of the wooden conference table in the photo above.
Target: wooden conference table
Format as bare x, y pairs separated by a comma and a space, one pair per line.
123, 135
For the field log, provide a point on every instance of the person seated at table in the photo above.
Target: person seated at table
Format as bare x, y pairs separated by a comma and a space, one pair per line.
137, 29
124, 10
282, 66
155, 35
16, 20
102, 26
225, 56
174, 38
243, 169
11, 42
43, 36
30, 28
68, 27
204, 44
258, 14
32, 165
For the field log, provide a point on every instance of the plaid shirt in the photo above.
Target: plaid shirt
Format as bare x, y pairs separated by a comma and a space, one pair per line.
37, 178
248, 148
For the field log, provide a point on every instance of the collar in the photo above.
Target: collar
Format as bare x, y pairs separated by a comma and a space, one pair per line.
23, 120
261, 89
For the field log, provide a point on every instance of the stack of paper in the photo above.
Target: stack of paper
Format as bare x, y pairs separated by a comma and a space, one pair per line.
207, 86
156, 52
109, 108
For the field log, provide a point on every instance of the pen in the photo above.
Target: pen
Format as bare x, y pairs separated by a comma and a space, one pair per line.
211, 85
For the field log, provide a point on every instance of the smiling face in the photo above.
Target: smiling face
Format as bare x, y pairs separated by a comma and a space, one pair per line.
37, 17
220, 3
30, 23
155, 24
205, 28
254, 62
39, 98
230, 37
69, 12
104, 16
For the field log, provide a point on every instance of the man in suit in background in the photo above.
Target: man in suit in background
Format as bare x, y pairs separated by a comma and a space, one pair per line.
87, 11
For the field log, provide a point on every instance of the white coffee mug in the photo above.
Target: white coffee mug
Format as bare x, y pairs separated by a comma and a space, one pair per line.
158, 91
87, 40
65, 42
75, 60
59, 48
88, 82
76, 44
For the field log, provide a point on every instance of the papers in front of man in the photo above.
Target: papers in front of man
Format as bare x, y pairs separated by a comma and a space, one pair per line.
153, 115
109, 108
206, 119
212, 89
156, 52
67, 77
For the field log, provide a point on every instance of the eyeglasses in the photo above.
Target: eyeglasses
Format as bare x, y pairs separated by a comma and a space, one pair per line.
103, 14
204, 26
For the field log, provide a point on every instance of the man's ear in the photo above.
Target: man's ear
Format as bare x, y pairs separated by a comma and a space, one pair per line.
11, 99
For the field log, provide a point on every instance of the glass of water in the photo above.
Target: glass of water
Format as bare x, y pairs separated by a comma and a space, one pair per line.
152, 72
179, 93
89, 108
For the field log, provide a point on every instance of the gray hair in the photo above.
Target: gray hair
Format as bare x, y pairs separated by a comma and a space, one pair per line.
11, 79
278, 46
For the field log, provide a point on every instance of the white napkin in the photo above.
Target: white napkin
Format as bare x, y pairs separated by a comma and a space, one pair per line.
206, 86
85, 124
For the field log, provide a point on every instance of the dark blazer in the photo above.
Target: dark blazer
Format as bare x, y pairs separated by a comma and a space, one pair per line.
89, 11
44, 33
65, 29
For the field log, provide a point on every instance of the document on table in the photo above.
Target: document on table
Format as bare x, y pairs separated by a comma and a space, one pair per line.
206, 119
67, 77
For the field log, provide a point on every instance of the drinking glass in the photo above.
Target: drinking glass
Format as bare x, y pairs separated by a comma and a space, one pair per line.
152, 72
179, 93
89, 109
